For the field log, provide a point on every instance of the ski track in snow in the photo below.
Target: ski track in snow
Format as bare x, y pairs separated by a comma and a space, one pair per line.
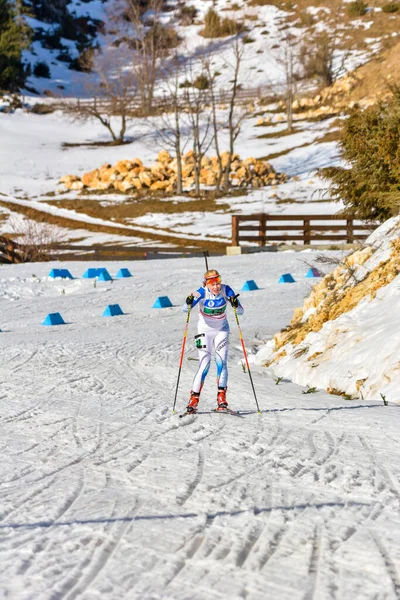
106, 493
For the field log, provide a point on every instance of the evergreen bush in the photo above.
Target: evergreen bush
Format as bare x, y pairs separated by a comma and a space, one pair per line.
14, 37
41, 69
369, 185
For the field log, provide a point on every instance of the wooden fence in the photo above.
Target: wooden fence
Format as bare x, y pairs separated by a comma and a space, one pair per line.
266, 228
10, 252
162, 101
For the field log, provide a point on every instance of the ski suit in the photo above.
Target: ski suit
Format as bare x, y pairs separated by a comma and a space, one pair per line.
212, 331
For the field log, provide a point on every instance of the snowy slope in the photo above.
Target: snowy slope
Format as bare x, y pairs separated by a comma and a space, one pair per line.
356, 350
33, 157
106, 494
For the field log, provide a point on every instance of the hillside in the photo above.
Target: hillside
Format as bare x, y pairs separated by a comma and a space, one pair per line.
344, 339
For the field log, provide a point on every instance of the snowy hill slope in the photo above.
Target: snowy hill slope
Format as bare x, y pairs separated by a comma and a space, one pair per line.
106, 494
346, 337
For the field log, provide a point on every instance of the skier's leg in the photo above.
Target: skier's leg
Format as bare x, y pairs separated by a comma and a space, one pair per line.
221, 344
204, 345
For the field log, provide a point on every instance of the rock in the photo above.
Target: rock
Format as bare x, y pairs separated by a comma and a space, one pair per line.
164, 157
146, 178
91, 179
160, 185
76, 185
123, 166
123, 186
68, 179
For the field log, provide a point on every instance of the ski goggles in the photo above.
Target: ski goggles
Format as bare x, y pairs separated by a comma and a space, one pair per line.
213, 280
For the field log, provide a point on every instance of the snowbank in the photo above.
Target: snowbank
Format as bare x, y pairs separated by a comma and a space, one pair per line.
345, 339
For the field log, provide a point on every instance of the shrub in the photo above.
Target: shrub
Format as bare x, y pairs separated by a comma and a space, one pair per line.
215, 27
248, 40
187, 14
41, 69
201, 82
52, 40
358, 8
42, 109
390, 8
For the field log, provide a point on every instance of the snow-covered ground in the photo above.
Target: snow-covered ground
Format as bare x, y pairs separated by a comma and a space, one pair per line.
106, 494
33, 157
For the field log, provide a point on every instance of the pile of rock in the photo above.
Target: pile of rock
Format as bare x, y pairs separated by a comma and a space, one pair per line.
330, 101
128, 175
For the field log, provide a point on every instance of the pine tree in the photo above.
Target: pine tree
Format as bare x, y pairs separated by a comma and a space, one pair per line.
369, 185
13, 39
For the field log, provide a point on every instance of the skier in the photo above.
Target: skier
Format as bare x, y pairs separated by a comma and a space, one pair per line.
212, 331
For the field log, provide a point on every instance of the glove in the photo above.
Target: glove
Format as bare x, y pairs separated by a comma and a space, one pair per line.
189, 300
234, 301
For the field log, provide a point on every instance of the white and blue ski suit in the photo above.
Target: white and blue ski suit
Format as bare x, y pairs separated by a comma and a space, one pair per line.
212, 331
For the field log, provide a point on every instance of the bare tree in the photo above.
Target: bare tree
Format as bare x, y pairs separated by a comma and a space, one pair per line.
151, 42
200, 124
290, 61
174, 130
113, 93
217, 126
236, 114
323, 55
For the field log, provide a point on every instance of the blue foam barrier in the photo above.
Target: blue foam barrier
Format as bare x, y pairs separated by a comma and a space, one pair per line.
313, 272
54, 319
162, 302
63, 273
90, 273
123, 273
112, 310
104, 276
250, 285
286, 278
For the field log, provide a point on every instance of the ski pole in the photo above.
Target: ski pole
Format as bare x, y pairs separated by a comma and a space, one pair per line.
182, 353
206, 253
245, 355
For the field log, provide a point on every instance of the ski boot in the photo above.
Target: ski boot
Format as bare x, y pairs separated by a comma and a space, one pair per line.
221, 399
193, 402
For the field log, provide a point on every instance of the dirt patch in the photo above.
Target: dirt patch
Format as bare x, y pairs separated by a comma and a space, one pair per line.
373, 76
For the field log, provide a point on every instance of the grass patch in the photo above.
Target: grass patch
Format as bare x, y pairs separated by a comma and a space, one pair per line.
279, 134
273, 155
67, 145
138, 206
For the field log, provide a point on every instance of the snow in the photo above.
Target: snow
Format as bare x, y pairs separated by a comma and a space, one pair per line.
107, 494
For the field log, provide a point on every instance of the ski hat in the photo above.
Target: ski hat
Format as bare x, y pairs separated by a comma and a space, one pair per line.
211, 276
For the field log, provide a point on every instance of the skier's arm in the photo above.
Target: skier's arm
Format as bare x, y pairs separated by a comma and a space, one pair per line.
230, 294
197, 296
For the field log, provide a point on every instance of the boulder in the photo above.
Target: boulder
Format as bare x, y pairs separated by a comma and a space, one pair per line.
164, 157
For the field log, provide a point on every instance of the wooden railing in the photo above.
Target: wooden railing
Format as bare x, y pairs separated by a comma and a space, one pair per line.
10, 252
162, 101
303, 228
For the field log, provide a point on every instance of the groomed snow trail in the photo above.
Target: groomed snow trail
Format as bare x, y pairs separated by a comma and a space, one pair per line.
106, 494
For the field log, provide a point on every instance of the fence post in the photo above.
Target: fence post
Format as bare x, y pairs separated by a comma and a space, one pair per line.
349, 231
235, 230
307, 231
261, 231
